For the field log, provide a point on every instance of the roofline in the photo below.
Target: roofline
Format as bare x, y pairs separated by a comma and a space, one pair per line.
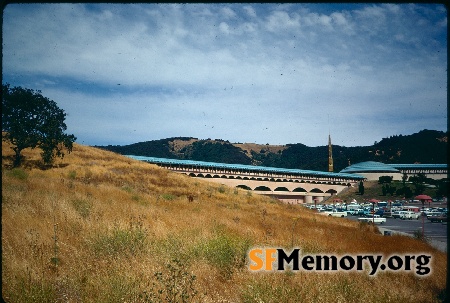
245, 167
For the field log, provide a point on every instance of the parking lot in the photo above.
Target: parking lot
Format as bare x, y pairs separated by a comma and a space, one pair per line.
436, 232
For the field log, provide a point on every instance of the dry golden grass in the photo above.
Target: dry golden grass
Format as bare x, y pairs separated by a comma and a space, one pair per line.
125, 231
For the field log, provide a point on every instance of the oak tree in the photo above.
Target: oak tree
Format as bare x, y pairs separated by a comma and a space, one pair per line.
30, 120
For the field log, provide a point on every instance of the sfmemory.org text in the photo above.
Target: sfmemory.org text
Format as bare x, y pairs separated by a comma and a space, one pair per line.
276, 259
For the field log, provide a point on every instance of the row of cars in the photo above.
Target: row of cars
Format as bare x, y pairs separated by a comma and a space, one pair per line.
376, 214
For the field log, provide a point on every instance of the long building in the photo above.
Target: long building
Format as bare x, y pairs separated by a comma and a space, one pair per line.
372, 170
289, 185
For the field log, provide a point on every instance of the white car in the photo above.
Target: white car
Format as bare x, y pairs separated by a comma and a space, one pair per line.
409, 215
398, 214
374, 219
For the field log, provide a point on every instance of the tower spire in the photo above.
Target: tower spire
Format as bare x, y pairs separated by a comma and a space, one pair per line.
330, 155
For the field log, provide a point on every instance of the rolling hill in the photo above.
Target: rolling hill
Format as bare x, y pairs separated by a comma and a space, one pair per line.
426, 146
100, 227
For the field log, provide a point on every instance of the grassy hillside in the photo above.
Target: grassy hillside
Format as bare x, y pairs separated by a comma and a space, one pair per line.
99, 227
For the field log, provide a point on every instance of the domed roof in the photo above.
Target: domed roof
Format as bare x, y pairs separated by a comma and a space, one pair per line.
369, 166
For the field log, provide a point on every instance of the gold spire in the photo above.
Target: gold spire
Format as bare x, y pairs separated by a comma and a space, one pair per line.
330, 155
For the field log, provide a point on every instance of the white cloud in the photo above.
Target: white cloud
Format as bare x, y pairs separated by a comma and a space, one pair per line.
228, 13
250, 11
281, 20
238, 72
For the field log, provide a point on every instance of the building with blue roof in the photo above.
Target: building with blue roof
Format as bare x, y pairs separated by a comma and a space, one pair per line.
372, 170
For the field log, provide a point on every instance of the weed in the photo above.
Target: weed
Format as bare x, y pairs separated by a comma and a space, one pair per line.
419, 235
29, 290
173, 285
127, 188
168, 197
72, 175
222, 189
271, 291
131, 240
19, 173
225, 252
83, 207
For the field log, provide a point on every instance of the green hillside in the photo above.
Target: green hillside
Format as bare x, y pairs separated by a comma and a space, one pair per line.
426, 146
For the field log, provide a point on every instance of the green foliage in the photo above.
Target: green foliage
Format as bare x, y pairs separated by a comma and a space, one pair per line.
19, 173
222, 189
30, 120
30, 290
225, 251
261, 290
83, 207
212, 151
395, 149
361, 188
168, 197
385, 179
174, 285
72, 175
418, 182
388, 189
131, 240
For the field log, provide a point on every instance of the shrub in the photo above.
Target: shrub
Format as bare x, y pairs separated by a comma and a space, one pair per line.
225, 252
174, 284
168, 197
83, 207
19, 173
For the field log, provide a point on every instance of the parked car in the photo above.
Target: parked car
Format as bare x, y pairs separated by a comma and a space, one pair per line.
380, 212
439, 218
387, 214
436, 214
409, 215
374, 219
335, 213
397, 214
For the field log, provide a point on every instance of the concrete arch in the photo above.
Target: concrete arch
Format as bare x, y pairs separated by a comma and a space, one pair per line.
216, 176
200, 176
299, 190
244, 187
239, 177
331, 191
224, 177
192, 175
262, 188
208, 176
281, 188
316, 190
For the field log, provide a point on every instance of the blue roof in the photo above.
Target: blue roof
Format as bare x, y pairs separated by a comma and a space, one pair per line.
372, 166
419, 166
369, 166
245, 167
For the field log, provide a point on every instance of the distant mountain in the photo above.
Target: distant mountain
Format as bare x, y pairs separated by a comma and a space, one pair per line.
426, 146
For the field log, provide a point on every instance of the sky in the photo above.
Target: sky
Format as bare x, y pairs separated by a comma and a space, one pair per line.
256, 73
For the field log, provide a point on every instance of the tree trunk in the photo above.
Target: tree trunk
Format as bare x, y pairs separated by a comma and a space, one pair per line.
18, 157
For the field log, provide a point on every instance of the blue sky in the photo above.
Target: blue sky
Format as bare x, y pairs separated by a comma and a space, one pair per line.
261, 73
